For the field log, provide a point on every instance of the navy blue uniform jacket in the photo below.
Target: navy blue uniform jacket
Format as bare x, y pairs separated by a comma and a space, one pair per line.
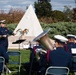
70, 45
4, 31
60, 57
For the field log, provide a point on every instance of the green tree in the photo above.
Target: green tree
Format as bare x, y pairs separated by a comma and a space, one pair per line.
74, 14
68, 12
43, 8
43, 0
58, 15
60, 28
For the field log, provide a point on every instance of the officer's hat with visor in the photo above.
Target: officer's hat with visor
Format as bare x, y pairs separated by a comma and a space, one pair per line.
69, 36
75, 37
60, 39
2, 21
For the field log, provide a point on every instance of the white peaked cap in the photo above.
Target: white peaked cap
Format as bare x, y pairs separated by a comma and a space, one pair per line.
61, 38
71, 35
2, 21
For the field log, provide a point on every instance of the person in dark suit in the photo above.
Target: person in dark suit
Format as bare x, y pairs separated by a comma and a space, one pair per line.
60, 57
4, 32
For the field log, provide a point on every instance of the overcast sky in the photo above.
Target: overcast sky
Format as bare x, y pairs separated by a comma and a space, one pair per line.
56, 4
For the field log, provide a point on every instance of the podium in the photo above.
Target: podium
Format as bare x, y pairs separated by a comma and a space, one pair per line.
19, 42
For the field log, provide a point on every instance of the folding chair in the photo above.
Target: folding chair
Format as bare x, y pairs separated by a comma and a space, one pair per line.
14, 61
2, 63
55, 70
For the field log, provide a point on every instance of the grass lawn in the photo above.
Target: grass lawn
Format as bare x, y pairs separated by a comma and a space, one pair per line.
24, 58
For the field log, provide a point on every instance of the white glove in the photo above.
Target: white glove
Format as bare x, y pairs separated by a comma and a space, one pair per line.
38, 50
4, 35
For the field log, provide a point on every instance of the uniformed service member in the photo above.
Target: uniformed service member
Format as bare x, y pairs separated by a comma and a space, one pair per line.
60, 57
36, 64
4, 32
71, 42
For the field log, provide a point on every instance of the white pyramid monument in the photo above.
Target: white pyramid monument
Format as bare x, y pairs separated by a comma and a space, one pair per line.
30, 22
